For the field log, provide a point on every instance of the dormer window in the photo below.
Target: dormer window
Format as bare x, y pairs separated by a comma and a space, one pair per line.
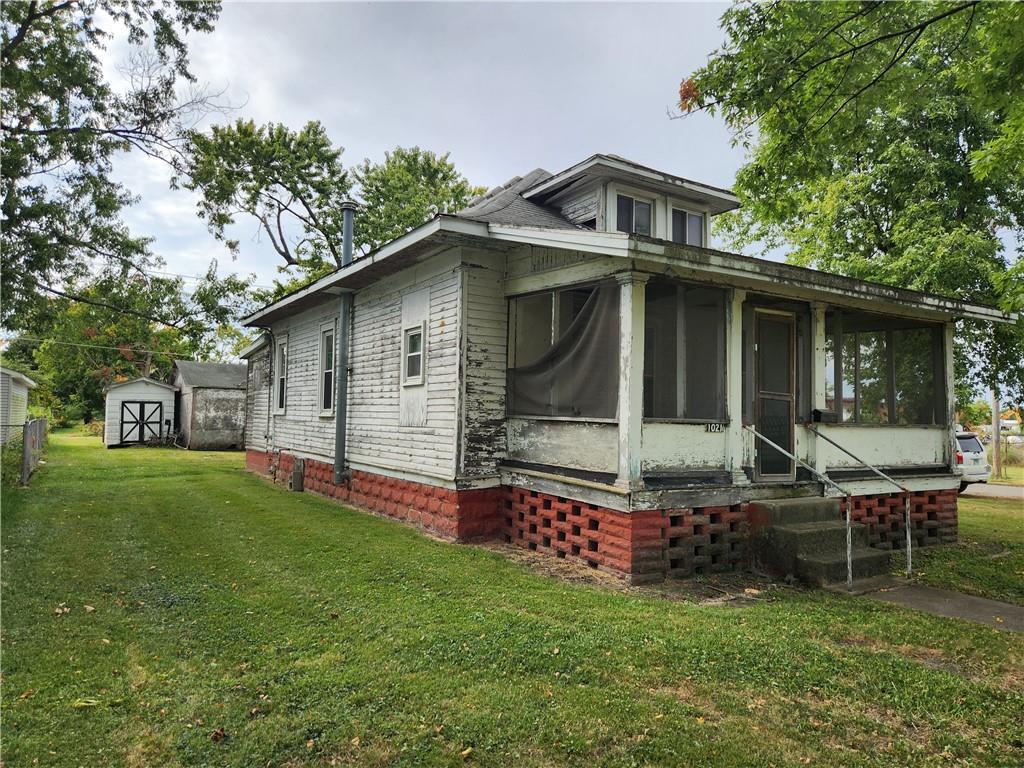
633, 216
687, 228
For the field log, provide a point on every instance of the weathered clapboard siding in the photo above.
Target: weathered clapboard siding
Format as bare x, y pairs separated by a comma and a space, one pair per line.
485, 318
257, 401
14, 400
376, 439
300, 428
375, 435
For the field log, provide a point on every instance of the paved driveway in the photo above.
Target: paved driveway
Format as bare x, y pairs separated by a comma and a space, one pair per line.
991, 491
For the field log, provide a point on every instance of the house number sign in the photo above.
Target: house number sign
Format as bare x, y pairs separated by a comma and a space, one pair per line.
715, 427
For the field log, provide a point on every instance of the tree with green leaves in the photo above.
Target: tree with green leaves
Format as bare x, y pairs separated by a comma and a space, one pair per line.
76, 347
63, 122
293, 183
408, 188
886, 142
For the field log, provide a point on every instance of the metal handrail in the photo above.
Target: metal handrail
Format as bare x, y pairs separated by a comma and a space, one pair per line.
881, 474
827, 481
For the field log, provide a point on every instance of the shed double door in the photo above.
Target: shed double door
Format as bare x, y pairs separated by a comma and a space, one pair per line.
141, 421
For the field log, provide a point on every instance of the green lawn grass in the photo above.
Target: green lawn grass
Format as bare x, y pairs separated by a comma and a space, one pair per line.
989, 559
1014, 476
232, 623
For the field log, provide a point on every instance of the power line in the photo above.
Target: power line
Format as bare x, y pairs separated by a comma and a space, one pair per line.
93, 346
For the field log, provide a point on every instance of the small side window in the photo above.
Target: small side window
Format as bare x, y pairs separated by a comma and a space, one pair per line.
281, 376
327, 368
412, 355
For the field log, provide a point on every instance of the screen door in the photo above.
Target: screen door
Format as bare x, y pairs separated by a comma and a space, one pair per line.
775, 370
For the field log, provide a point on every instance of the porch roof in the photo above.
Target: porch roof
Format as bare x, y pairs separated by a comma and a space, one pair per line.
636, 252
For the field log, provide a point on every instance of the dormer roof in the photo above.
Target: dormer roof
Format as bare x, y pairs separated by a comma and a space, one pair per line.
601, 166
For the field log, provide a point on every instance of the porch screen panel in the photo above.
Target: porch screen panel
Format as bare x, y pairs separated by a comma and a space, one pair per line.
577, 375
684, 352
873, 378
889, 369
914, 352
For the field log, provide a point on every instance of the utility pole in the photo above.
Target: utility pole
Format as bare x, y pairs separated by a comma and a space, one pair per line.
997, 458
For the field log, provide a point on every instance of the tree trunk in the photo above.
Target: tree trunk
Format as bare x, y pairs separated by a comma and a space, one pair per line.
997, 459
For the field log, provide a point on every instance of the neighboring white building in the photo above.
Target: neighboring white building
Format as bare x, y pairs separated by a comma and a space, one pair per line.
138, 411
210, 404
14, 387
565, 364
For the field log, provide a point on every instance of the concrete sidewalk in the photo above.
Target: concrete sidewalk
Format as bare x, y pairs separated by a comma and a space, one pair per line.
942, 602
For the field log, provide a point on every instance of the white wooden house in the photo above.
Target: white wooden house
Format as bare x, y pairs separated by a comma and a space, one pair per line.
138, 411
14, 387
566, 365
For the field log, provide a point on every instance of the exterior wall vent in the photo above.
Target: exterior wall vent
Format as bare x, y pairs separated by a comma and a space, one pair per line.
295, 480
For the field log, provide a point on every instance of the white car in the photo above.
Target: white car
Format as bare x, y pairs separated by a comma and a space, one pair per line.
970, 457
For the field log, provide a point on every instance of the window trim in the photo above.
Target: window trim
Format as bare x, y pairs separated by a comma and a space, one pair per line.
414, 381
332, 328
280, 382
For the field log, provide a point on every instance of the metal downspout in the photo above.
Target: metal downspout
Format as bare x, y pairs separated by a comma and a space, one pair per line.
341, 473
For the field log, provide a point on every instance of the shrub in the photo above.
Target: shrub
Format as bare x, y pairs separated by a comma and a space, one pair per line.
10, 463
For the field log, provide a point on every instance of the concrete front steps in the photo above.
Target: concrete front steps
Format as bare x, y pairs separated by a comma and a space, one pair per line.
806, 538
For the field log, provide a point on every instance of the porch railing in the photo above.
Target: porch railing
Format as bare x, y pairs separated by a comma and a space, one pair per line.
881, 474
825, 479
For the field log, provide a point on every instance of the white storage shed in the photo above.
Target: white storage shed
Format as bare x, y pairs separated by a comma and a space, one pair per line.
14, 387
138, 411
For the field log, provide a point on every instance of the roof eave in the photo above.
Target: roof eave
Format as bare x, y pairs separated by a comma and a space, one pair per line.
334, 283
726, 199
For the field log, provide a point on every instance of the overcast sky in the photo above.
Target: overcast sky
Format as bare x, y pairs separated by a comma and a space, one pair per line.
505, 88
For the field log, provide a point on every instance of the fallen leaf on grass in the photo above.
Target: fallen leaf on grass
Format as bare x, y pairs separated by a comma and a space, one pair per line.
752, 591
88, 608
466, 752
84, 703
218, 734
61, 610
355, 742
26, 694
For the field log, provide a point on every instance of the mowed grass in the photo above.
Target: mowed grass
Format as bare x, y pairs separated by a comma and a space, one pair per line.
1014, 475
236, 624
989, 558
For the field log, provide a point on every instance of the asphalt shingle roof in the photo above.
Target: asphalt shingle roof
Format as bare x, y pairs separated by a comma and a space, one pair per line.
506, 205
213, 375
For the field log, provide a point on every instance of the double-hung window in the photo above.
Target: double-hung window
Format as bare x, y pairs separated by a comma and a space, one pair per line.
281, 375
413, 355
326, 373
687, 228
634, 216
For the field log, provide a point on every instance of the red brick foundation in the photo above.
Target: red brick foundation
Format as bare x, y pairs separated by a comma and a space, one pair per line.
643, 545
462, 515
933, 517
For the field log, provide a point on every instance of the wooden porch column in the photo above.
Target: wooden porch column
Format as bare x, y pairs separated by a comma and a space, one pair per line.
818, 377
735, 436
948, 333
632, 288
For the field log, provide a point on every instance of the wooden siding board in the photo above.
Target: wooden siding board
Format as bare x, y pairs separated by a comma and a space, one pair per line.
375, 436
486, 334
